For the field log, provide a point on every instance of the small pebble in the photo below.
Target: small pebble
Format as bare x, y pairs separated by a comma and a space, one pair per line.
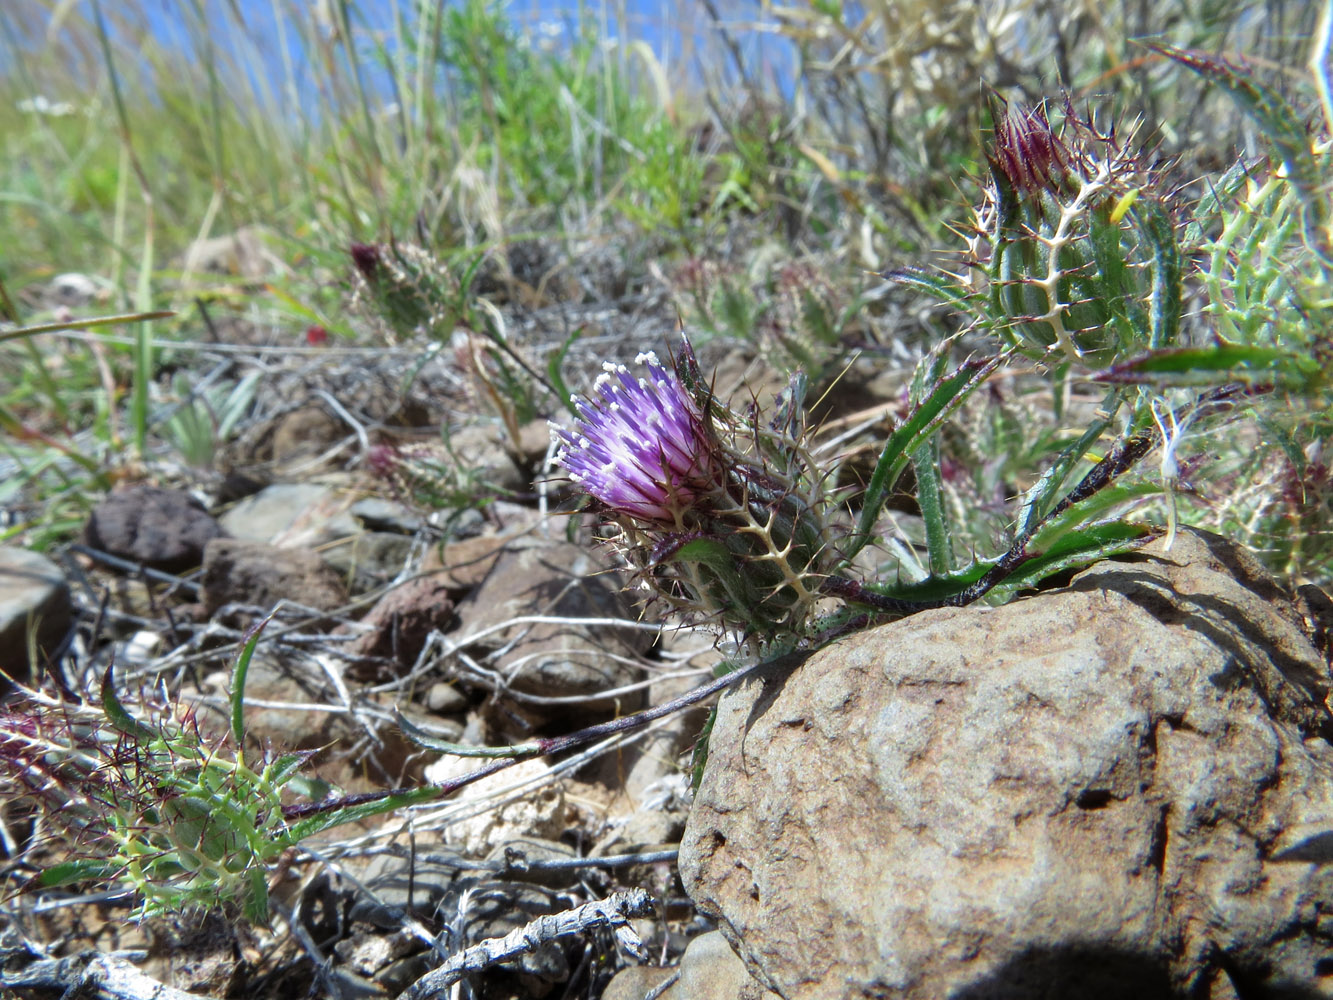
445, 699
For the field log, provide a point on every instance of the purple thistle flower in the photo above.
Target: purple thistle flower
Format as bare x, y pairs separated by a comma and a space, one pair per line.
641, 446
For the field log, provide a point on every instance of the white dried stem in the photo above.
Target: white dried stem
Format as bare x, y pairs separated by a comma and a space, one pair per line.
613, 912
93, 975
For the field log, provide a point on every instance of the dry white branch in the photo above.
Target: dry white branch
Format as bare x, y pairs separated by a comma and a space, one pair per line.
93, 975
613, 912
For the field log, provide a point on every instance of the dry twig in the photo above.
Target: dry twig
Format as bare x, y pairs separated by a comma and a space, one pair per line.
92, 974
613, 912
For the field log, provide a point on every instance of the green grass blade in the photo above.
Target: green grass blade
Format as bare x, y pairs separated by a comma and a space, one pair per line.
118, 716
84, 324
933, 410
238, 676
320, 822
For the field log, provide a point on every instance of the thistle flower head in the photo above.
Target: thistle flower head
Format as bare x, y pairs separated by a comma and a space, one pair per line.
722, 518
642, 447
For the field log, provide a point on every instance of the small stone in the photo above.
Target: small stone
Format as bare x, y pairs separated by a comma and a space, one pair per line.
160, 528
399, 625
636, 982
34, 604
304, 434
376, 514
445, 699
369, 560
534, 440
710, 970
70, 291
143, 646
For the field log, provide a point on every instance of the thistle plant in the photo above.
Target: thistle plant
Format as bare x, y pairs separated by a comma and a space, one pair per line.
725, 519
179, 817
1082, 254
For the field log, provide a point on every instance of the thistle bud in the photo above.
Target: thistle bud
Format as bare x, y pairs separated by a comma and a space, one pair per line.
366, 257
722, 521
1076, 239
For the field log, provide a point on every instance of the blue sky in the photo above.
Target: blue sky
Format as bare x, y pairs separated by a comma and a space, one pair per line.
663, 24
680, 32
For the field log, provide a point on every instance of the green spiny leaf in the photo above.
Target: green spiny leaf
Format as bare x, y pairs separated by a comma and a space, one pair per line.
1270, 111
1221, 362
944, 287
1083, 547
930, 498
255, 904
81, 870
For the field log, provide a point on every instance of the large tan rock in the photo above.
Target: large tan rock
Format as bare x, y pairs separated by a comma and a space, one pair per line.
1121, 788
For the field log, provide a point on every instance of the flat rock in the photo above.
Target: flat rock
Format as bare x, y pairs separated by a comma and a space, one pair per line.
161, 528
34, 609
378, 514
369, 560
541, 576
466, 562
502, 814
293, 514
1121, 788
